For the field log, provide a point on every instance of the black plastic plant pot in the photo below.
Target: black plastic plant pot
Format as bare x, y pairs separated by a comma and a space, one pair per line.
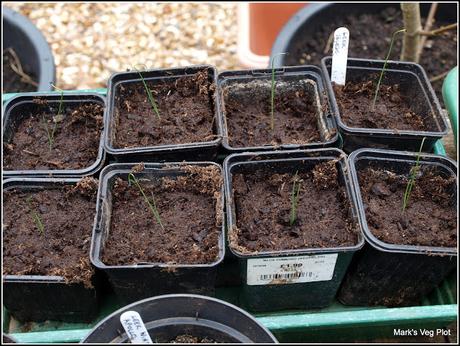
393, 274
416, 93
302, 278
202, 149
132, 282
37, 297
31, 47
245, 106
8, 339
310, 24
22, 106
169, 317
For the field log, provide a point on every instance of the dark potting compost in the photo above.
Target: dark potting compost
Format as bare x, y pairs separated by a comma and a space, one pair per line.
47, 232
185, 111
190, 339
393, 108
430, 218
190, 211
263, 207
16, 77
247, 108
49, 137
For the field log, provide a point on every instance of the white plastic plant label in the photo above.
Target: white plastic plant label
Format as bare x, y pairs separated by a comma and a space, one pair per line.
290, 270
135, 328
340, 55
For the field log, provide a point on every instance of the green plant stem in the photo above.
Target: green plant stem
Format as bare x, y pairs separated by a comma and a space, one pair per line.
36, 216
149, 95
272, 96
294, 199
384, 67
412, 177
152, 205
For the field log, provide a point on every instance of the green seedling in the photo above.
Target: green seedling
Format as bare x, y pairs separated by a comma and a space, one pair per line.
149, 95
294, 199
36, 216
384, 67
272, 97
151, 203
412, 176
56, 119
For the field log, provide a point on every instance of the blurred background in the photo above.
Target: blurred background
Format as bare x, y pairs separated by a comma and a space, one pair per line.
90, 41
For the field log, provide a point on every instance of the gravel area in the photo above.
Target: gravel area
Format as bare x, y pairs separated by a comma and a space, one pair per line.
90, 41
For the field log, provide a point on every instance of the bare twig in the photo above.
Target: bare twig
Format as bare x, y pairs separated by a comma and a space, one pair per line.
439, 76
439, 30
329, 43
17, 67
428, 24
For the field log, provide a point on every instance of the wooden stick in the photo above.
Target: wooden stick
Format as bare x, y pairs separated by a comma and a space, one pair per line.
438, 31
439, 76
411, 40
428, 24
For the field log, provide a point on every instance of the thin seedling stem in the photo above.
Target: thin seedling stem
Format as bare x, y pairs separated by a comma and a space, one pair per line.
412, 177
36, 216
151, 203
384, 67
294, 199
149, 95
272, 96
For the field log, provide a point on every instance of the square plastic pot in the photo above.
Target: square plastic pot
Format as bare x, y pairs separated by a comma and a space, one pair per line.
306, 77
394, 274
206, 150
38, 297
143, 280
413, 82
290, 294
22, 104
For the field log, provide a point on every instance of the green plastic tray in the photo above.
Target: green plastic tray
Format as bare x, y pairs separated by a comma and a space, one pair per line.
337, 323
450, 96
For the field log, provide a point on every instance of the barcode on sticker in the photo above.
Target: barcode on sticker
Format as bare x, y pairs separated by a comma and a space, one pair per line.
289, 270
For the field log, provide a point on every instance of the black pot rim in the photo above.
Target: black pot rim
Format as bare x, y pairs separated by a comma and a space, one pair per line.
339, 155
116, 168
378, 131
90, 170
16, 182
164, 148
46, 60
307, 70
286, 34
167, 297
370, 238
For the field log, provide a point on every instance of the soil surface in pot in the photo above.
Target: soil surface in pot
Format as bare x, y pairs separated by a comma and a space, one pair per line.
247, 110
263, 206
185, 106
393, 110
75, 143
190, 210
190, 339
16, 78
370, 36
430, 218
62, 247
